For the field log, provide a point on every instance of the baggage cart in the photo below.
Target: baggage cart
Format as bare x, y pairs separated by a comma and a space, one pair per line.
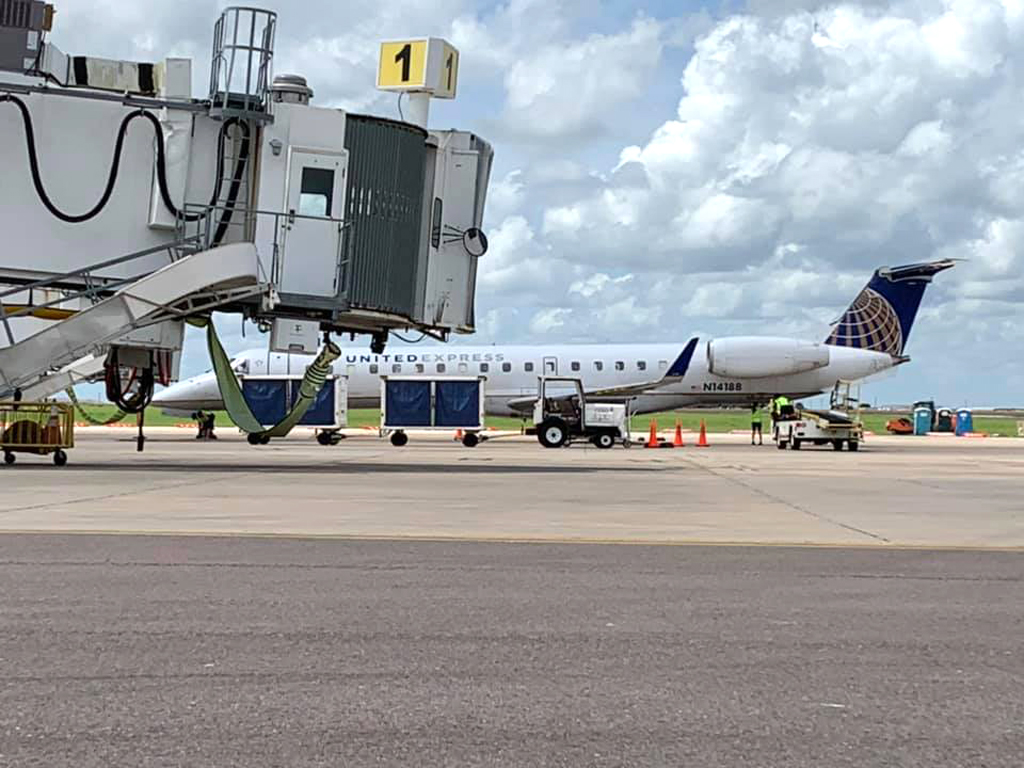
41, 428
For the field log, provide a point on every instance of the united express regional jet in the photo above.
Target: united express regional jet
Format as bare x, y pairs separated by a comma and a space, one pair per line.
869, 338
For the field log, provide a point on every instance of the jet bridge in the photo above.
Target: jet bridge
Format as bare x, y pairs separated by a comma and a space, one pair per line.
140, 205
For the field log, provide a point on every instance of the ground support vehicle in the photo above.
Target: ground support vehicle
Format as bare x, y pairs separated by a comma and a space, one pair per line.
838, 426
563, 414
818, 428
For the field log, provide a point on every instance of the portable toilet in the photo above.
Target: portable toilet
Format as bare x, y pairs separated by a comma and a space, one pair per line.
944, 420
964, 421
922, 420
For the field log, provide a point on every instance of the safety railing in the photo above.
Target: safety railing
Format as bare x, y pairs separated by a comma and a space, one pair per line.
83, 284
242, 64
207, 226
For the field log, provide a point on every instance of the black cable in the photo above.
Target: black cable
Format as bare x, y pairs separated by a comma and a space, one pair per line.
400, 337
115, 394
161, 166
236, 179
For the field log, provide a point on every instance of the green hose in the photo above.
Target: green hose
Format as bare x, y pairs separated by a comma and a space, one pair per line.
118, 415
234, 401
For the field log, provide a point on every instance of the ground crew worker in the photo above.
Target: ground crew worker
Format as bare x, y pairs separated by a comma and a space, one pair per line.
211, 420
780, 408
755, 424
205, 422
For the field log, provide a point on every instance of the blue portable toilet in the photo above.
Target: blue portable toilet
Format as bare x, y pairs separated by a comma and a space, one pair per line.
922, 421
964, 421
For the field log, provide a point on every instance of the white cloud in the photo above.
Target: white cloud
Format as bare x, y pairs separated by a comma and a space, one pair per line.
505, 196
573, 88
547, 320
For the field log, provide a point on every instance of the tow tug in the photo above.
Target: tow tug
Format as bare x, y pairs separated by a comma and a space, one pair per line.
563, 414
839, 425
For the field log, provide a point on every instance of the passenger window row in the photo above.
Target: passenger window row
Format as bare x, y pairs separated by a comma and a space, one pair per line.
575, 366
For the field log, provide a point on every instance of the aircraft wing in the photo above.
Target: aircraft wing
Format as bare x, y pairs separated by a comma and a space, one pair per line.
675, 372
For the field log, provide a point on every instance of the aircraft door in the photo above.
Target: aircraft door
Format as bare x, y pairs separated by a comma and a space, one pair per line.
550, 366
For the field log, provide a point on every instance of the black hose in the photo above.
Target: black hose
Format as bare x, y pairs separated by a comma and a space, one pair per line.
161, 166
236, 179
115, 394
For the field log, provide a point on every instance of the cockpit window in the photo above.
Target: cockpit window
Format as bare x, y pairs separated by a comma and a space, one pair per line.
240, 366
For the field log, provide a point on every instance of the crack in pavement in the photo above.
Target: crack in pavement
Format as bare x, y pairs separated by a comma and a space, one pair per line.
787, 503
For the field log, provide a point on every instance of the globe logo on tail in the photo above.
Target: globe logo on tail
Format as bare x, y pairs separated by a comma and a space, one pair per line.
869, 323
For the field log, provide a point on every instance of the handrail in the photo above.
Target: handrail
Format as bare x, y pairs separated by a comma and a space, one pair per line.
83, 271
109, 285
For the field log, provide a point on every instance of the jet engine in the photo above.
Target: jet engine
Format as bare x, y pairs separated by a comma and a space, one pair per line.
744, 357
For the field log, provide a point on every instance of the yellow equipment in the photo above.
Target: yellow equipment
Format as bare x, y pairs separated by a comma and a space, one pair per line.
39, 428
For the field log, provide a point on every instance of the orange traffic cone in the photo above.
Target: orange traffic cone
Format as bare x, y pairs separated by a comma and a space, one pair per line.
458, 435
702, 442
652, 440
678, 442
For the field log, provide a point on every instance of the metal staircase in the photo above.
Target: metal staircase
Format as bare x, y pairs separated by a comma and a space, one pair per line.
70, 350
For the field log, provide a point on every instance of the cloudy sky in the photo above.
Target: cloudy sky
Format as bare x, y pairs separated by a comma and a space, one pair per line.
668, 168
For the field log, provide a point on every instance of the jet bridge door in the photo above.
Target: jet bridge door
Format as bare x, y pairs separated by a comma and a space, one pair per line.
311, 242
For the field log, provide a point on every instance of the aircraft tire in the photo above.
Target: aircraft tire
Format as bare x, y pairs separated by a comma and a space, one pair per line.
398, 439
553, 433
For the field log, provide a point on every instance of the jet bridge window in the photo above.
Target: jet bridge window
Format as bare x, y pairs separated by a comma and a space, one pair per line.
435, 224
316, 196
619, 365
641, 365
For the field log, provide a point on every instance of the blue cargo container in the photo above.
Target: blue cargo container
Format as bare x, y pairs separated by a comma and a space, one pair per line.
270, 398
432, 404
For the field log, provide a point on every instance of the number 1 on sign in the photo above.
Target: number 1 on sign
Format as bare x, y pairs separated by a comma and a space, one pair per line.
404, 57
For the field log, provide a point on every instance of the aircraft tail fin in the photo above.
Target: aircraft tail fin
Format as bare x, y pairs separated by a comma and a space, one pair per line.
881, 316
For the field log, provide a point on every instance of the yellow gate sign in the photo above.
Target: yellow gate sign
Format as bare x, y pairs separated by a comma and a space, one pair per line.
420, 65
403, 65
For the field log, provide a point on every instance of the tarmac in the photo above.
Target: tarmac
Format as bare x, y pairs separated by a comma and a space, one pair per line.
897, 491
218, 604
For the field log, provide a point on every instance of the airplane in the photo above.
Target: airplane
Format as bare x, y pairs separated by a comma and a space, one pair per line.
868, 339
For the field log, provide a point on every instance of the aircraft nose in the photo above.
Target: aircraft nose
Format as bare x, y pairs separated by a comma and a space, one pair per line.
182, 391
